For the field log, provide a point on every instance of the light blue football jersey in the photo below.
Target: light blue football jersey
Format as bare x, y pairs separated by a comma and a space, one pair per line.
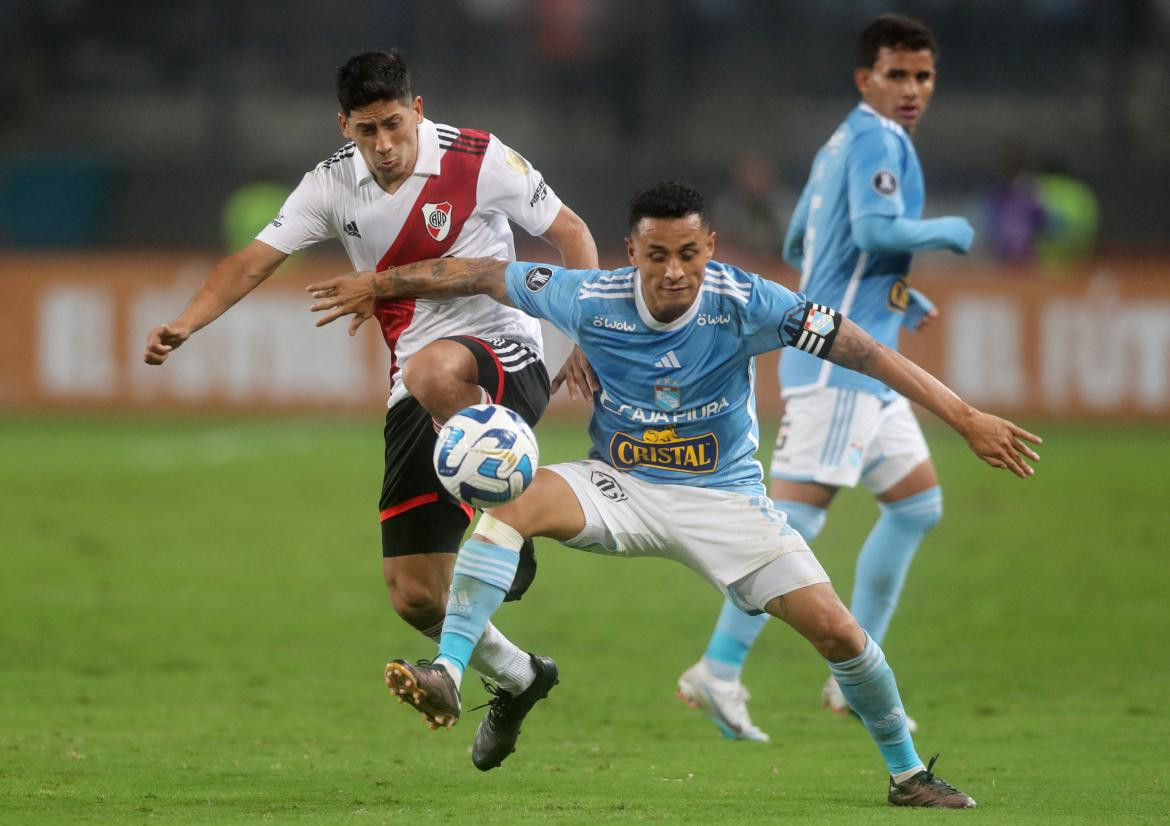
868, 167
677, 400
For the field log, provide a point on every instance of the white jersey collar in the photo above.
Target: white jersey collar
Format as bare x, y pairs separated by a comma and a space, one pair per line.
663, 326
426, 164
882, 119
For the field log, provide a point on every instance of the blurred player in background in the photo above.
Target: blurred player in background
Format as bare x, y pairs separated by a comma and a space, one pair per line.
405, 188
852, 236
672, 469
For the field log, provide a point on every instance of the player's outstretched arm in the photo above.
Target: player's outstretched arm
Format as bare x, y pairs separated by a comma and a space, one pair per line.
883, 233
232, 279
997, 441
437, 278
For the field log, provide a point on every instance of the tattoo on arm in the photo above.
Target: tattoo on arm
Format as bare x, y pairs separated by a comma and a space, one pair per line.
854, 348
443, 278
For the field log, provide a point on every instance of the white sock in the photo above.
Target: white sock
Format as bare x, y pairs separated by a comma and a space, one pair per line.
452, 669
502, 660
495, 656
903, 776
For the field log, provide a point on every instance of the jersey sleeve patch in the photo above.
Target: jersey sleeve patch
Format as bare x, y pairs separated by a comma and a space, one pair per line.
818, 329
537, 278
884, 182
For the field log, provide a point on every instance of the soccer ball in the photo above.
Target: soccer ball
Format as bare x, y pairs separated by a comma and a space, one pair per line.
486, 455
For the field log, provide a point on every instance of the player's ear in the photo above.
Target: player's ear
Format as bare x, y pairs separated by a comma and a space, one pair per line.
342, 121
711, 244
861, 79
417, 106
630, 251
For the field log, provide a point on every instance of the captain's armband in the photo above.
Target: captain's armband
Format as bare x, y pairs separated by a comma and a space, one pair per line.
818, 329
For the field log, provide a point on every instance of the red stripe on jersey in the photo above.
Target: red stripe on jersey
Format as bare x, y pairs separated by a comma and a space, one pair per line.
499, 368
394, 317
409, 504
430, 234
467, 509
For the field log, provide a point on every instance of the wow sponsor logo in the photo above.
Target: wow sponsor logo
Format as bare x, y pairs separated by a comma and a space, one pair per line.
666, 450
618, 324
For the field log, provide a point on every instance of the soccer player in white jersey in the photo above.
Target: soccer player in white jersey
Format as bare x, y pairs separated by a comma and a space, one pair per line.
852, 236
672, 470
403, 189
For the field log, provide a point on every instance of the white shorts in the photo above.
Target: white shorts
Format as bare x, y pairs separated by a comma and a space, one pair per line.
740, 544
837, 437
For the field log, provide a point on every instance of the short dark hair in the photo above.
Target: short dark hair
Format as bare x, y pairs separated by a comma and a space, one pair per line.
372, 76
894, 31
666, 199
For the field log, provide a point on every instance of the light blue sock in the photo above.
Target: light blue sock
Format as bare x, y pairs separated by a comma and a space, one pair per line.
886, 556
735, 631
868, 684
483, 573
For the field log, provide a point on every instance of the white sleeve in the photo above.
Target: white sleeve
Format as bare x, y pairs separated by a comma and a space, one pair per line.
510, 185
304, 218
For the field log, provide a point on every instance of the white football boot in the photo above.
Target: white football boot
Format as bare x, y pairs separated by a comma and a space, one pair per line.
724, 701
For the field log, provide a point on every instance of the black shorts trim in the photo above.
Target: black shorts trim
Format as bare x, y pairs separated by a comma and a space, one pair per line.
512, 374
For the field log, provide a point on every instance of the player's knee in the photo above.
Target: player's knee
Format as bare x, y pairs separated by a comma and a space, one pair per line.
431, 372
923, 510
418, 602
537, 511
836, 635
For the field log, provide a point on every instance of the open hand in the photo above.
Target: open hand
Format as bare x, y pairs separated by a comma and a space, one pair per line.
578, 375
351, 294
1000, 443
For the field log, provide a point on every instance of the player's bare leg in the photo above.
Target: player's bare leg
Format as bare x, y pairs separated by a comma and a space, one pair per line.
713, 684
858, 664
910, 508
444, 377
483, 570
418, 585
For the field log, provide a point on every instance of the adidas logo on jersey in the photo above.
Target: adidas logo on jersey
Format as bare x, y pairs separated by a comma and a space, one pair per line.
351, 229
668, 362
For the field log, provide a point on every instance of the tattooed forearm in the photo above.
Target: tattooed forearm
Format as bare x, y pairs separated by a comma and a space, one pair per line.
442, 278
854, 348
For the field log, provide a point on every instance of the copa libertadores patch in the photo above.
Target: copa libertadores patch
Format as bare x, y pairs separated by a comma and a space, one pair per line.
536, 278
819, 328
884, 182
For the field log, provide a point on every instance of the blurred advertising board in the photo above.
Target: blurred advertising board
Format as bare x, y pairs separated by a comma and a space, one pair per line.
73, 328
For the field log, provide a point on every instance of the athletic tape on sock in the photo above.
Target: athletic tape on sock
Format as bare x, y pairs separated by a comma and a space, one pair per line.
496, 532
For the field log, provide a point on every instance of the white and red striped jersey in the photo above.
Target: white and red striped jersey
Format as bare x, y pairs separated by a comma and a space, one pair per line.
465, 188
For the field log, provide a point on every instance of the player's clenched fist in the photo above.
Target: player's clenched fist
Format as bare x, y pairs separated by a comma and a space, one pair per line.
162, 340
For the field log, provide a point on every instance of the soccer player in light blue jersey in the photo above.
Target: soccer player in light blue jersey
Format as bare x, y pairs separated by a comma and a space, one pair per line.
852, 235
672, 469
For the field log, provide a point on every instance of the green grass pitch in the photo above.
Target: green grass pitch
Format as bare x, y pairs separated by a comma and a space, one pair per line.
193, 628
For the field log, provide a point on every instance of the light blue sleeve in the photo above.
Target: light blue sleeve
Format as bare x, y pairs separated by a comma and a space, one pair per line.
548, 292
879, 233
916, 310
794, 239
769, 317
874, 170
